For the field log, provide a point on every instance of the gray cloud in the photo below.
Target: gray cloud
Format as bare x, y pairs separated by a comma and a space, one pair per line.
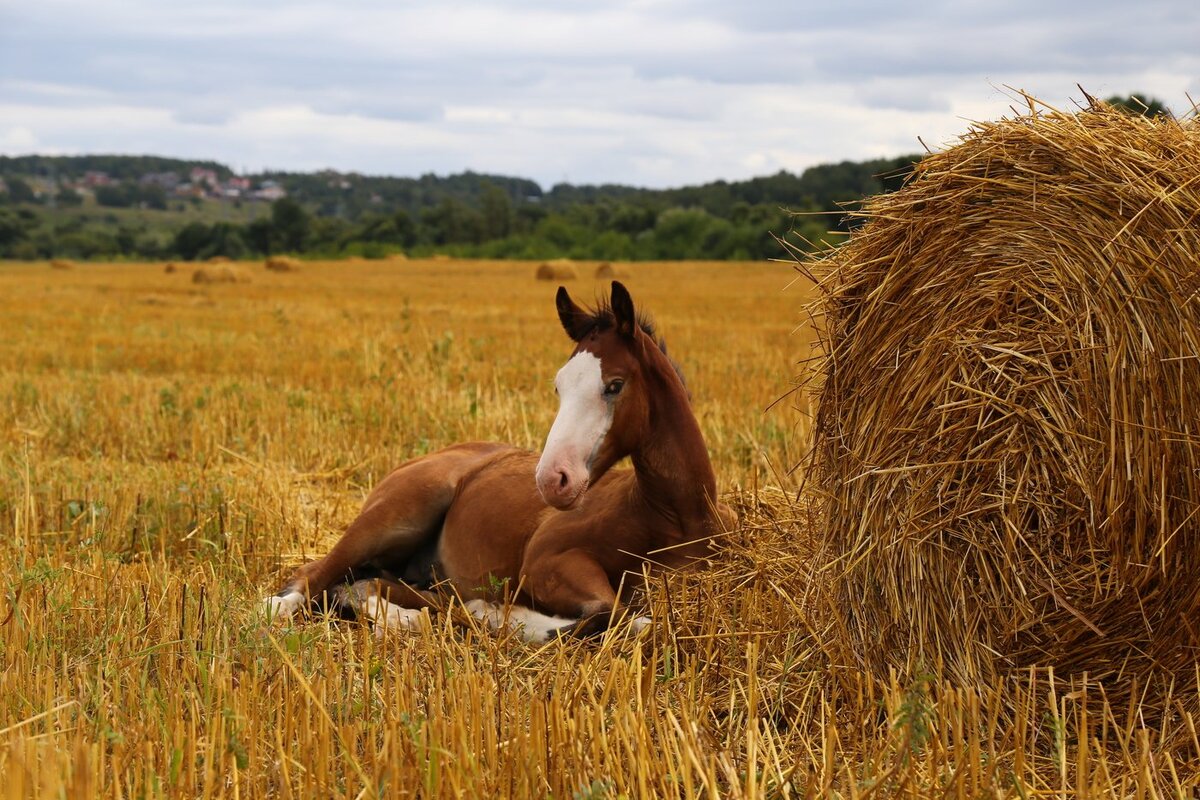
650, 92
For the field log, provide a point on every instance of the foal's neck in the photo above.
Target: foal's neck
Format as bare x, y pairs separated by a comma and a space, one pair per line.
675, 476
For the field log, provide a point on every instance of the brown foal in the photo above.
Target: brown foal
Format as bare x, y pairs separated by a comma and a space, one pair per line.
562, 529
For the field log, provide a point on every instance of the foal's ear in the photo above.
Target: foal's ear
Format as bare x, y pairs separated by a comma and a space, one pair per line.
622, 308
573, 318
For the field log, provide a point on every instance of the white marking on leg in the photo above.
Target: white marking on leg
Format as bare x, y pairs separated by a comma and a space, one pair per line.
487, 612
387, 616
283, 606
530, 625
640, 624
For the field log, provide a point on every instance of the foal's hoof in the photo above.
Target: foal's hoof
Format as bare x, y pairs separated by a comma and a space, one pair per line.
387, 616
282, 607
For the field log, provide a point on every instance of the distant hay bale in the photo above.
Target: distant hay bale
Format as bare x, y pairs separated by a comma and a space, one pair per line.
62, 263
283, 264
170, 267
607, 272
220, 273
560, 269
397, 257
219, 260
1007, 439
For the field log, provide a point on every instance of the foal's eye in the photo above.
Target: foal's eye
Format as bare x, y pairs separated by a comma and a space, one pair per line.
614, 388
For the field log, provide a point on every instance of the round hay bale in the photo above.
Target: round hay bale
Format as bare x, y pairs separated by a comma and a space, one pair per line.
560, 269
62, 263
170, 267
220, 273
606, 272
283, 264
1007, 447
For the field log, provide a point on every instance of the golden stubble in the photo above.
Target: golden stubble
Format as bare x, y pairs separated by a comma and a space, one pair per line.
171, 449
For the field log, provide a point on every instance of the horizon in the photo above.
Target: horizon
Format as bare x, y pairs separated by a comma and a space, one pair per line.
440, 176
646, 93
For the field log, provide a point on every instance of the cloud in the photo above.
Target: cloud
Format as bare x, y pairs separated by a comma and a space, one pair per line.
17, 138
652, 92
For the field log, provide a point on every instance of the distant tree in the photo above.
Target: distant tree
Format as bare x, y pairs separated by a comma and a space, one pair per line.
405, 227
259, 236
126, 240
152, 197
398, 229
114, 196
527, 217
496, 208
90, 243
225, 239
198, 241
68, 198
290, 225
631, 219
329, 235
190, 241
1140, 104
611, 245
689, 233
562, 237
12, 229
452, 222
20, 192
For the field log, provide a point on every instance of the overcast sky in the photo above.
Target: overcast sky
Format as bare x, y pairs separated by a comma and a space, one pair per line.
645, 92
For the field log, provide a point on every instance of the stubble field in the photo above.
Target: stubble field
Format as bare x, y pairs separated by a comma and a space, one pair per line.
171, 450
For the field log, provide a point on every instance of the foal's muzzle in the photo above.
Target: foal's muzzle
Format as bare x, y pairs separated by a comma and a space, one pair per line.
560, 486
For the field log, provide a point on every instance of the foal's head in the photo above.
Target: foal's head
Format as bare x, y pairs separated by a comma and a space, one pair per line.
604, 395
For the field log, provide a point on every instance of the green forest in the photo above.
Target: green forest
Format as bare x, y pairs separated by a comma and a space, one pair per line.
139, 208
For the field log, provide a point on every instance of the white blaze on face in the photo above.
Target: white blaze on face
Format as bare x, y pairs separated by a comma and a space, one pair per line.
584, 417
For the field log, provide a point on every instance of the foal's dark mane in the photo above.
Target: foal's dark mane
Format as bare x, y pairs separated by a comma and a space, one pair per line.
602, 319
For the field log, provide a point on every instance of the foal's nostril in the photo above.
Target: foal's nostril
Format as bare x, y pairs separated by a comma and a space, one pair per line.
563, 480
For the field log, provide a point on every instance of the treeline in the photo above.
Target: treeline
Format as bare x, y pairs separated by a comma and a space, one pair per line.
472, 215
334, 214
119, 168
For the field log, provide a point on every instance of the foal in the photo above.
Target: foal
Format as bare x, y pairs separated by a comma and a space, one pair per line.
563, 528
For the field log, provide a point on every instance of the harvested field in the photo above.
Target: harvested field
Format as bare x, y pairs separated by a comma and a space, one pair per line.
164, 464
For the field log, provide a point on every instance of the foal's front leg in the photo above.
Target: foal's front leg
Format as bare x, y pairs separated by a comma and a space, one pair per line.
529, 625
390, 605
573, 584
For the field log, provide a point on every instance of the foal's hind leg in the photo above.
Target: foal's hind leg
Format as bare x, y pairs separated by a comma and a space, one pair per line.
400, 515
